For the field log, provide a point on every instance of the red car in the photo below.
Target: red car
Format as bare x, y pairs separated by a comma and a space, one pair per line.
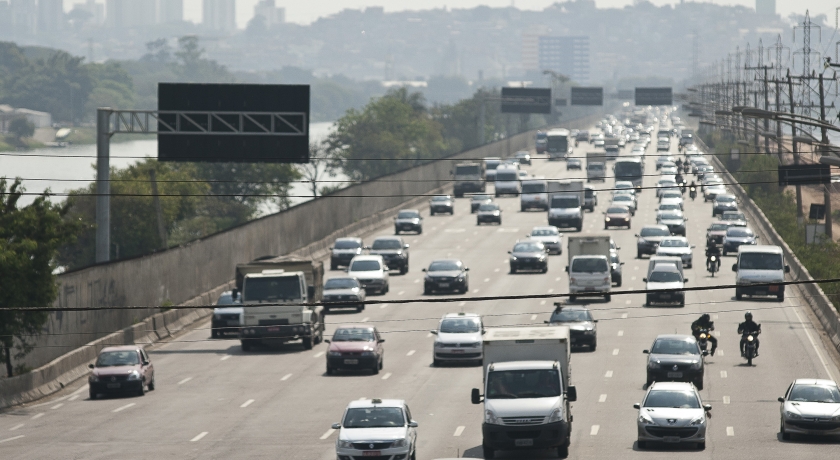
617, 216
357, 347
124, 369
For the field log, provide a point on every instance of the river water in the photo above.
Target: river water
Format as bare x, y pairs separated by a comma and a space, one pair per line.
63, 169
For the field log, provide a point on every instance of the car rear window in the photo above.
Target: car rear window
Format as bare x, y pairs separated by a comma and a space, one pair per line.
589, 265
386, 244
341, 283
347, 244
364, 266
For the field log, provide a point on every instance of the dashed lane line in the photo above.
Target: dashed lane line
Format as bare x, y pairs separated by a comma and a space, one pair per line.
429, 335
624, 316
459, 430
247, 403
57, 406
122, 408
383, 306
627, 301
632, 278
486, 280
410, 352
542, 302
73, 398
533, 317
185, 381
461, 304
723, 374
615, 352
594, 430
726, 400
557, 279
401, 293
11, 439
551, 290
16, 427
386, 376
475, 291
608, 374
199, 436
327, 434
730, 431
365, 319
286, 377
37, 416
719, 352
417, 281
318, 355
497, 270
225, 358
602, 398
620, 333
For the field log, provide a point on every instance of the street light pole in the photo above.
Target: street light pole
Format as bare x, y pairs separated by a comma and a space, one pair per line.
823, 150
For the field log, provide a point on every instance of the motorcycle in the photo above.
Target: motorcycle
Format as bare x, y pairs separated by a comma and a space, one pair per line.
693, 193
750, 351
703, 338
712, 264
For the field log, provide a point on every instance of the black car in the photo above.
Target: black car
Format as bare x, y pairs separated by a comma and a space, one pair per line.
446, 275
343, 251
724, 203
393, 250
528, 255
477, 200
584, 332
489, 213
675, 221
649, 238
408, 220
441, 204
675, 358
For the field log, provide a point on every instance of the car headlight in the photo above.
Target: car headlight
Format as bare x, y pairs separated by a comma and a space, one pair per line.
439, 345
399, 443
653, 364
344, 444
93, 378
696, 365
334, 353
589, 332
698, 421
836, 418
606, 219
475, 345
645, 420
555, 416
541, 257
793, 415
490, 417
460, 279
512, 258
134, 375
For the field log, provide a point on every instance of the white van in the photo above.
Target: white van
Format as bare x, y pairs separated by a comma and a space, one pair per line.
760, 264
534, 195
507, 180
589, 275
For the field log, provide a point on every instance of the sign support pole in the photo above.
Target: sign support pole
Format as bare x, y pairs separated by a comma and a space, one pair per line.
103, 185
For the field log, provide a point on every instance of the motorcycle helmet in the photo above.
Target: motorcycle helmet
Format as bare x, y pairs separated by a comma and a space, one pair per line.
748, 316
704, 316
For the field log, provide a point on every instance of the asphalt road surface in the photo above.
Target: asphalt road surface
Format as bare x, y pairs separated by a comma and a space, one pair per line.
213, 401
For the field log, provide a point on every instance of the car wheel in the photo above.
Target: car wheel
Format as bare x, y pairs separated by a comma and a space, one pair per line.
699, 383
375, 369
512, 269
572, 298
593, 346
608, 297
420, 231
522, 209
431, 213
427, 291
647, 300
152, 384
606, 227
404, 269
91, 395
360, 308
142, 390
246, 345
396, 231
489, 452
639, 254
618, 283
563, 451
785, 435
545, 269
307, 343
701, 445
725, 252
214, 332
333, 266
330, 370
381, 363
738, 295
435, 362
642, 444
780, 298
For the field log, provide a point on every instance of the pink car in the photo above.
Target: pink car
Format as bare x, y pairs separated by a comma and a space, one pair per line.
355, 346
123, 369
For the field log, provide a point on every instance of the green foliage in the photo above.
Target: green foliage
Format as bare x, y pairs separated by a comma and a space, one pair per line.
113, 87
21, 127
29, 239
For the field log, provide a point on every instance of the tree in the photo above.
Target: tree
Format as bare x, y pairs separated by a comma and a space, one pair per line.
317, 168
21, 128
29, 240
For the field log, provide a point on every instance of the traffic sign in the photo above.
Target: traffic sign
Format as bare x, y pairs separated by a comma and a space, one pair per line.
804, 174
654, 96
526, 100
587, 95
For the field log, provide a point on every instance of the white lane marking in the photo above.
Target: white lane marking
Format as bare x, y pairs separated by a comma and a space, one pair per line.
247, 403
620, 333
455, 230
557, 279
461, 304
57, 406
417, 281
635, 268
286, 377
401, 293
723, 374
550, 291
11, 439
15, 428
542, 302
73, 398
615, 352
122, 408
386, 376
714, 316
730, 431
726, 400
383, 306
79, 391
497, 270
429, 335
225, 358
459, 430
185, 381
594, 430
475, 291
318, 355
37, 416
363, 398
533, 317
505, 261
624, 316
365, 319
814, 344
608, 374
627, 302
327, 434
458, 247
410, 352
632, 278
198, 438
486, 280
508, 230
719, 352
602, 398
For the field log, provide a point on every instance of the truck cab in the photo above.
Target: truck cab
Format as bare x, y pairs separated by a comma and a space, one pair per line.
469, 178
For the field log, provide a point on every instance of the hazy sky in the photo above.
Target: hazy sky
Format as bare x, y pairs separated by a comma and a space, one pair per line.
311, 10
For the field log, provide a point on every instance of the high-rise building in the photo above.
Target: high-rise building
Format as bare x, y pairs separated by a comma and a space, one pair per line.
24, 17
5, 18
95, 9
765, 7
170, 11
130, 13
272, 14
50, 16
220, 15
566, 55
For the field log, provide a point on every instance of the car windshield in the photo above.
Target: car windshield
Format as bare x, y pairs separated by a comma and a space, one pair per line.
341, 283
545, 232
347, 244
623, 198
535, 187
667, 183
528, 247
661, 276
655, 231
718, 227
617, 210
669, 216
365, 266
672, 398
760, 261
815, 393
460, 325
374, 417
563, 202
669, 207
570, 316
671, 195
675, 347
533, 383
353, 334
667, 243
725, 199
489, 207
506, 176
589, 265
118, 358
481, 197
733, 216
388, 243
444, 266
408, 215
739, 232
440, 198
271, 288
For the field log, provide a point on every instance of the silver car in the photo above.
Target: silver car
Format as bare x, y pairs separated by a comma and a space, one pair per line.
672, 413
810, 407
550, 237
459, 338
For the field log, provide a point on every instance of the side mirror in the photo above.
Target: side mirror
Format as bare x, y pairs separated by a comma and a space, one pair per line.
381, 340
413, 424
567, 269
734, 267
433, 331
475, 396
781, 400
644, 280
647, 352
693, 246
637, 406
310, 292
331, 248
708, 407
234, 293
787, 268
91, 366
509, 252
327, 341
637, 235
406, 246
336, 426
571, 393
617, 248
622, 263
146, 363
685, 280
546, 322
467, 269
423, 270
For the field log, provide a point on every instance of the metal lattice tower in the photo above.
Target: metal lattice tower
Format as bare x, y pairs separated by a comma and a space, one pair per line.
806, 51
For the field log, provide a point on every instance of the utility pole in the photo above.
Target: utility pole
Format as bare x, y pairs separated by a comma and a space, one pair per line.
800, 218
158, 209
824, 151
103, 185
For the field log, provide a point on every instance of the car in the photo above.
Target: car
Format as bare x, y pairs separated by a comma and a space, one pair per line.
668, 169
346, 292
528, 255
408, 220
649, 238
662, 159
676, 246
624, 187
675, 221
523, 174
724, 202
590, 198
394, 251
459, 339
478, 200
671, 196
376, 428
669, 206
440, 204
716, 232
704, 170
507, 180
446, 275
712, 191
550, 237
617, 216
675, 357
665, 184
226, 315
523, 157
615, 268
582, 327
371, 272
672, 412
573, 163
810, 407
626, 200
663, 145
666, 282
489, 213
598, 142
733, 218
356, 347
710, 177
736, 237
343, 251
121, 369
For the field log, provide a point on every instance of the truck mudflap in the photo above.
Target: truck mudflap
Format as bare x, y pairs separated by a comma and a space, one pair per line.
542, 436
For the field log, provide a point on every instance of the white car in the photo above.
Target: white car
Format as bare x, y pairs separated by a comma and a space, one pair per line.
669, 208
810, 407
376, 428
624, 186
458, 338
550, 237
672, 412
677, 247
664, 159
625, 200
666, 282
371, 272
665, 184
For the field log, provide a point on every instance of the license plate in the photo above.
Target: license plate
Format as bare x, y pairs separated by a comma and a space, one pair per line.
351, 361
372, 453
671, 439
274, 329
233, 323
523, 442
113, 385
443, 284
589, 289
665, 296
457, 351
774, 288
574, 340
675, 375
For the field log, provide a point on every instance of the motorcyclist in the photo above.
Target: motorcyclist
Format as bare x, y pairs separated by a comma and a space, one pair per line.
712, 250
692, 190
705, 322
749, 327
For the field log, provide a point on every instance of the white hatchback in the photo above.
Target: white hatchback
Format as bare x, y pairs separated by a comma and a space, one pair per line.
371, 272
376, 428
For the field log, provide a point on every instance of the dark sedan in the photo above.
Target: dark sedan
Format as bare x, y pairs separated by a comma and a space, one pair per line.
584, 332
489, 213
408, 220
723, 203
477, 200
617, 216
446, 275
675, 358
528, 255
441, 204
649, 238
736, 237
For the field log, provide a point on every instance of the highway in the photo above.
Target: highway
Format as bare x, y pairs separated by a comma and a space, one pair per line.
213, 401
